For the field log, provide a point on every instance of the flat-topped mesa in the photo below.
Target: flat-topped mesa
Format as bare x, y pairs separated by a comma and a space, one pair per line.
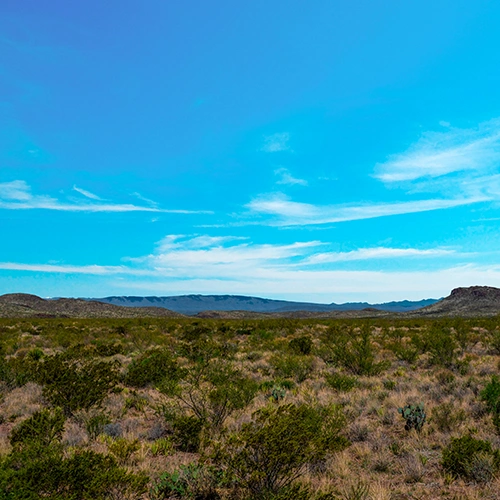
465, 302
488, 292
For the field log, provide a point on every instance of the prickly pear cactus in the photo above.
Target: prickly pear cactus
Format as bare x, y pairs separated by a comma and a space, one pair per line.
414, 416
277, 393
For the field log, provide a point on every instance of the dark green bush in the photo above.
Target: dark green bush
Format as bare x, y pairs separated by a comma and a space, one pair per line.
95, 424
491, 393
44, 427
75, 384
270, 453
301, 345
491, 396
354, 351
461, 455
340, 382
86, 475
215, 390
106, 349
37, 468
152, 367
441, 345
192, 481
298, 367
187, 433
404, 351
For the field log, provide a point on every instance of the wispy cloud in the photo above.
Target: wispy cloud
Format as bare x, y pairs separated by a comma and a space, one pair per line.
455, 167
86, 193
17, 195
143, 198
437, 154
285, 212
208, 264
196, 259
377, 253
275, 143
285, 177
15, 191
68, 269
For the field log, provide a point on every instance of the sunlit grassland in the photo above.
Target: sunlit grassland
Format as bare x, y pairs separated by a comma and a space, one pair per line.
275, 408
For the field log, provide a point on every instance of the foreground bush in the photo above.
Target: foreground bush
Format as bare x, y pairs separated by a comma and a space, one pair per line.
267, 455
75, 384
38, 468
213, 391
471, 458
152, 367
191, 481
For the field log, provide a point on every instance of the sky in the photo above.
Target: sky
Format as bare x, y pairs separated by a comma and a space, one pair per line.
324, 151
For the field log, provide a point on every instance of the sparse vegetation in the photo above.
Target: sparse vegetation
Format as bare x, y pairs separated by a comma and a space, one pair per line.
267, 409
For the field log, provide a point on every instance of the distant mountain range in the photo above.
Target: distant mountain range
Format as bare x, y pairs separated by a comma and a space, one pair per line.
462, 302
193, 304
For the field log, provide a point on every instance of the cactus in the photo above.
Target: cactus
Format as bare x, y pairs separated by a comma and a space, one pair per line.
277, 393
414, 416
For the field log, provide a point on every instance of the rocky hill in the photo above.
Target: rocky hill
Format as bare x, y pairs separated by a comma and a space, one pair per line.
465, 302
22, 305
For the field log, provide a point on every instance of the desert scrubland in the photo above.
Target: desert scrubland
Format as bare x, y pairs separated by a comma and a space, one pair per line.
163, 408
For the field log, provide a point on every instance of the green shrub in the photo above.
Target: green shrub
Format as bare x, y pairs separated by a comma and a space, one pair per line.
43, 428
94, 424
340, 382
106, 349
75, 384
355, 352
301, 345
86, 475
389, 384
446, 417
215, 390
491, 396
404, 351
187, 433
495, 340
491, 393
441, 345
162, 446
192, 481
298, 367
461, 458
270, 453
122, 449
152, 367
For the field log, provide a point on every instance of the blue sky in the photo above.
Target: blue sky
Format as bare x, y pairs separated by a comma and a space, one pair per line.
328, 151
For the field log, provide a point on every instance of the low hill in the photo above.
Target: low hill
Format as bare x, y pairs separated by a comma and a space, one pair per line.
465, 302
22, 305
195, 304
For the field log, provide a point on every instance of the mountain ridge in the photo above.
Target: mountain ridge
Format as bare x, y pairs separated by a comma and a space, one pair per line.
195, 303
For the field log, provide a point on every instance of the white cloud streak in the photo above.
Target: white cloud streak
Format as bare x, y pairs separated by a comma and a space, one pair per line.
17, 195
291, 213
438, 154
276, 143
207, 264
285, 177
376, 253
460, 166
86, 193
